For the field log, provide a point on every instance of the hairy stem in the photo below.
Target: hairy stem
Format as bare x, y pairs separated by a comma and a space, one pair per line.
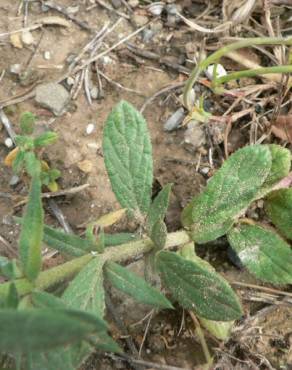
121, 253
215, 57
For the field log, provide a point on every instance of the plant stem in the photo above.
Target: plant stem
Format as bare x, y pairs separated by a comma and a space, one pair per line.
213, 58
121, 253
253, 72
202, 340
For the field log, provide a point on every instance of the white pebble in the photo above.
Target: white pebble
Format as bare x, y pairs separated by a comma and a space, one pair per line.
90, 128
47, 55
220, 71
8, 142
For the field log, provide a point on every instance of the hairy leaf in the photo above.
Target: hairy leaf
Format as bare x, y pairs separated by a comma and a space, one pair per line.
197, 288
9, 268
32, 164
128, 157
159, 234
12, 299
57, 359
281, 163
27, 123
279, 209
39, 330
219, 329
32, 232
159, 207
119, 238
128, 282
47, 300
46, 138
85, 292
263, 253
66, 243
230, 191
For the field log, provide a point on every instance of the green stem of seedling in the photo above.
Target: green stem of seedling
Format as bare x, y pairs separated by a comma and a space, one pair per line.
121, 253
215, 57
253, 73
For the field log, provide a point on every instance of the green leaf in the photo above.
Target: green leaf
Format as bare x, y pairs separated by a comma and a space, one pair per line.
66, 243
41, 330
281, 163
24, 142
229, 192
159, 207
128, 157
32, 232
46, 138
279, 208
9, 268
159, 234
32, 164
197, 288
57, 359
18, 162
12, 298
85, 291
47, 300
219, 329
128, 282
27, 123
80, 351
263, 253
119, 238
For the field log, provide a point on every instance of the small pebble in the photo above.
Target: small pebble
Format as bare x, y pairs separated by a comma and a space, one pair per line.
156, 8
8, 142
72, 9
147, 35
205, 170
90, 128
15, 69
220, 71
133, 3
47, 55
70, 81
14, 180
139, 20
94, 92
27, 38
174, 120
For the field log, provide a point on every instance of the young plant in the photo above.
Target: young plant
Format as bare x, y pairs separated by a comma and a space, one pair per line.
42, 330
24, 156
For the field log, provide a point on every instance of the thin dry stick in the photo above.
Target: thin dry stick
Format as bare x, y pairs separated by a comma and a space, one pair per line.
72, 18
117, 84
262, 288
12, 252
96, 57
111, 9
147, 364
145, 333
6, 123
161, 92
74, 190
